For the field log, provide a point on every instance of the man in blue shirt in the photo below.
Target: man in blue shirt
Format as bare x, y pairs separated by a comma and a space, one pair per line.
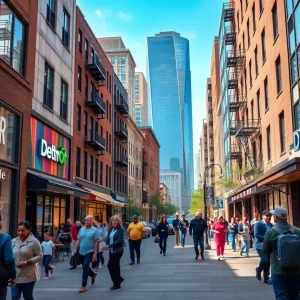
88, 244
260, 229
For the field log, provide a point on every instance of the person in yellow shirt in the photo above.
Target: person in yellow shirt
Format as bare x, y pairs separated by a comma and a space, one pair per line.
135, 234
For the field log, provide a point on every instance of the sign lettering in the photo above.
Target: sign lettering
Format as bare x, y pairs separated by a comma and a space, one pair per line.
2, 130
52, 153
296, 140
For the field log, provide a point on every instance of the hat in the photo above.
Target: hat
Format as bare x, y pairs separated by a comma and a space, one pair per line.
177, 214
135, 217
280, 212
266, 213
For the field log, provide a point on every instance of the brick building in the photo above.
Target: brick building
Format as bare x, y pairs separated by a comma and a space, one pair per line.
16, 89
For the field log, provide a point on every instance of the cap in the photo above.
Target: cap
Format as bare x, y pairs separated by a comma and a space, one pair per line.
177, 214
135, 217
280, 212
266, 213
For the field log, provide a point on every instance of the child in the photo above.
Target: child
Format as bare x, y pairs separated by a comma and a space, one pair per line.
48, 250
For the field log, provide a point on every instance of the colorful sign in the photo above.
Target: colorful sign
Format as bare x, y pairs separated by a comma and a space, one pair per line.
48, 150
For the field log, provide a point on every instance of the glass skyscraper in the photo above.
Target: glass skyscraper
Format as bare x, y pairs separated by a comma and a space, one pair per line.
170, 105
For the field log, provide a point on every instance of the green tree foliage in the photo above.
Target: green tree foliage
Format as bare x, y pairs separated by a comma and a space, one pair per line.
197, 202
161, 209
133, 209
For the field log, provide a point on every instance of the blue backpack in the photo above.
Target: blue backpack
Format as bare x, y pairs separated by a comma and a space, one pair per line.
288, 248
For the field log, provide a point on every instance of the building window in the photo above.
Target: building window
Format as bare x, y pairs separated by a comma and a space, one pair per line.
121, 69
278, 75
64, 100
106, 176
96, 170
254, 154
78, 118
109, 180
282, 132
250, 73
258, 103
242, 12
238, 20
86, 50
85, 161
266, 91
86, 87
48, 86
112, 60
51, 13
252, 110
91, 168
256, 62
78, 157
269, 142
66, 28
297, 24
263, 46
248, 33
243, 37
253, 18
261, 6
275, 21
79, 75
85, 124
245, 79
101, 173
80, 41
121, 60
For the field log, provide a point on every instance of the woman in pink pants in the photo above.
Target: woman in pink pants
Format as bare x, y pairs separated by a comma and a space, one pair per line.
219, 229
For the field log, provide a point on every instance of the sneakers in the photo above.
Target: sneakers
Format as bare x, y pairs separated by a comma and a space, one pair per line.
138, 261
165, 254
46, 277
197, 256
131, 263
219, 258
83, 289
258, 274
202, 256
94, 278
268, 281
222, 255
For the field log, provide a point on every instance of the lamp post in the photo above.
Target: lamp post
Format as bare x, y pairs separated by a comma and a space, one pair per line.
207, 246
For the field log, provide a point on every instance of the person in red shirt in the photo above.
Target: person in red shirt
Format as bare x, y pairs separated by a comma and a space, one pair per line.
74, 237
219, 229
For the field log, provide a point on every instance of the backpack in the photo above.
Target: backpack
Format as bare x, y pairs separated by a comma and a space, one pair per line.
288, 248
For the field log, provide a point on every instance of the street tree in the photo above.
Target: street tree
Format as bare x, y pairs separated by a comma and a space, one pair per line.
197, 202
132, 208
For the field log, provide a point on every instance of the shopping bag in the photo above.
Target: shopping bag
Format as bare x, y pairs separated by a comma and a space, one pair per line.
157, 240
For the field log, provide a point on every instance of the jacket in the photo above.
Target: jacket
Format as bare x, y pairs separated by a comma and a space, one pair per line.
183, 225
233, 228
198, 227
118, 241
163, 229
30, 249
260, 229
7, 256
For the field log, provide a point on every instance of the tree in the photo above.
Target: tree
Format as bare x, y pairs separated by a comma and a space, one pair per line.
197, 202
132, 208
170, 209
155, 199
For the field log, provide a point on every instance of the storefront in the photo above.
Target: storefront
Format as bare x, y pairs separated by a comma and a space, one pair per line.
120, 206
49, 191
10, 141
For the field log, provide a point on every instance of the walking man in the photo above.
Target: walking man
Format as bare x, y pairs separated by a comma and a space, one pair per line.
197, 229
183, 226
88, 243
175, 224
260, 229
7, 262
286, 282
233, 231
135, 234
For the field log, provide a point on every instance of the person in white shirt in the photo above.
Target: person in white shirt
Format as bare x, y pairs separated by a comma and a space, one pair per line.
48, 251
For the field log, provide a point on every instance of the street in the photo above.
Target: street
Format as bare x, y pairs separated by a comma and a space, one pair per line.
176, 276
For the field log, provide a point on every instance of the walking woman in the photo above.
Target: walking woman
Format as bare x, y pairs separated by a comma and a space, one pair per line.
233, 231
219, 229
163, 232
244, 230
28, 253
115, 245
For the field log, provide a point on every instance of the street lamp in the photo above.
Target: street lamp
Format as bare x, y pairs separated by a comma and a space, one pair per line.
207, 246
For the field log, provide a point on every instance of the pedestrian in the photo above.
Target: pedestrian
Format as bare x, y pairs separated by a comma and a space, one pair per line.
74, 236
102, 238
260, 229
244, 230
219, 229
88, 244
233, 231
28, 253
8, 272
286, 281
115, 245
198, 227
48, 248
163, 232
239, 235
73, 231
227, 232
175, 224
135, 234
183, 226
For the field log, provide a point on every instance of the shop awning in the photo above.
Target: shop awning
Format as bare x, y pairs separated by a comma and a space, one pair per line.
41, 182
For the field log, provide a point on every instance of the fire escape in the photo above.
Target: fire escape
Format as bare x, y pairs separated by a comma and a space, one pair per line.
239, 130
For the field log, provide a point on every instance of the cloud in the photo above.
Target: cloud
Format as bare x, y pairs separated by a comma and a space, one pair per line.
100, 13
125, 17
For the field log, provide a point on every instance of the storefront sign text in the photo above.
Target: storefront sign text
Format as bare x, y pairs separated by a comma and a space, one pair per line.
296, 140
52, 153
2, 174
2, 130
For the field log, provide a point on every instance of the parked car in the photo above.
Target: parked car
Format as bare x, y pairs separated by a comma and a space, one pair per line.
171, 228
154, 228
148, 229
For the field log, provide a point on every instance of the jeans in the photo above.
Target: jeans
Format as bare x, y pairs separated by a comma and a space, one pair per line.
199, 240
114, 268
286, 287
227, 237
86, 269
25, 288
233, 240
246, 246
182, 237
3, 291
46, 263
264, 264
135, 246
163, 243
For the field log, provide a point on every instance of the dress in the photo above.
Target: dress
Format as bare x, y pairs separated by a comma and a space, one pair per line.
220, 238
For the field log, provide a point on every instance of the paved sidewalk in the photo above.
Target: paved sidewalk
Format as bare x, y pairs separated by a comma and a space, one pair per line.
176, 276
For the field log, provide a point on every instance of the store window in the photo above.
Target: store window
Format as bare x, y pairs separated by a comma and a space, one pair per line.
97, 210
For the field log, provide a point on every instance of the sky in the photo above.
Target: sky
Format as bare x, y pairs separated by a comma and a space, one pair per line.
135, 20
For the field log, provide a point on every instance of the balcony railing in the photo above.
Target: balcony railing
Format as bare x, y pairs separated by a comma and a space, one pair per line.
232, 80
228, 11
5, 53
96, 68
229, 35
247, 128
96, 141
122, 106
236, 102
235, 58
235, 152
121, 132
122, 160
5, 30
96, 104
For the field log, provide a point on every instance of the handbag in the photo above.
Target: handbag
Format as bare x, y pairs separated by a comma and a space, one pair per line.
75, 260
157, 240
4, 274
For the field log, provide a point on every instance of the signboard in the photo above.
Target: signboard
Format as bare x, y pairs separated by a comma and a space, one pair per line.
219, 204
296, 140
210, 195
60, 156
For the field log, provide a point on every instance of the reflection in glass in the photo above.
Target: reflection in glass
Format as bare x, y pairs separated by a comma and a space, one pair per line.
5, 197
18, 54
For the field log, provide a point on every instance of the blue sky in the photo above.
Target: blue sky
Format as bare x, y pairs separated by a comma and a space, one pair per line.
135, 20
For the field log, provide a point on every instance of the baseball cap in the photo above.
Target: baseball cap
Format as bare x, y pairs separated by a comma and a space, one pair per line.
135, 217
280, 212
177, 214
266, 213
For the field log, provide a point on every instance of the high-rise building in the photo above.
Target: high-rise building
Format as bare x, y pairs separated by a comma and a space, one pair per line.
170, 105
141, 99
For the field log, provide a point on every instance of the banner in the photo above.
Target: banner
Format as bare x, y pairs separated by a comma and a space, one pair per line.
210, 195
219, 204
